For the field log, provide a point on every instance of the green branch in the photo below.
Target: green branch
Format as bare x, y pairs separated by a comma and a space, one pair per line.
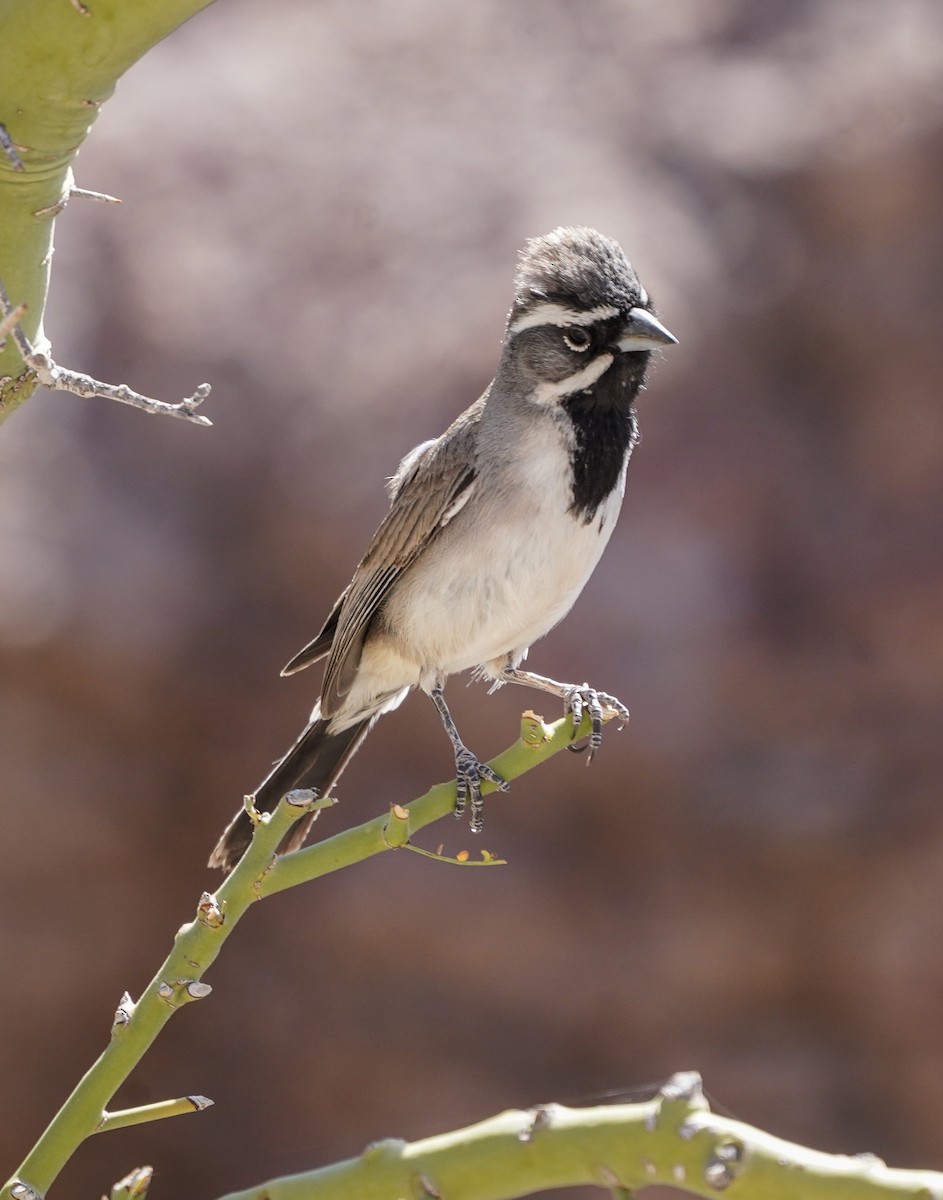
259, 873
59, 62
673, 1139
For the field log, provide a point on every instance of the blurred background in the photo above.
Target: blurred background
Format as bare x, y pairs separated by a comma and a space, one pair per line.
323, 204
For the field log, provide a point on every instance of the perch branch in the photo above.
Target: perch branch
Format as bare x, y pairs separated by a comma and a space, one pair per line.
537, 743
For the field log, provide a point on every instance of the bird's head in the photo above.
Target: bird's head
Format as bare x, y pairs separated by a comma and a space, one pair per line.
581, 322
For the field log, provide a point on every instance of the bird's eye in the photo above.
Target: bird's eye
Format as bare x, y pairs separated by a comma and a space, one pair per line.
577, 338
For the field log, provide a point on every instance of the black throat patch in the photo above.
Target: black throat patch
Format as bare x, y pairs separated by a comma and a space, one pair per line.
605, 429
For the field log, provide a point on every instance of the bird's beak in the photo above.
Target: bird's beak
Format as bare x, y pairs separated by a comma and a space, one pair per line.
643, 332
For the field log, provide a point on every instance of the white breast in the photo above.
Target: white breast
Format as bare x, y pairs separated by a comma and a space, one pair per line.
507, 568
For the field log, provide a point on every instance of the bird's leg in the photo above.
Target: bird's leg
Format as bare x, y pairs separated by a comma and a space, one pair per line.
577, 698
470, 771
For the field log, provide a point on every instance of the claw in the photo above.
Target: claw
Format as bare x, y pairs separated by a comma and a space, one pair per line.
574, 701
582, 698
470, 773
595, 716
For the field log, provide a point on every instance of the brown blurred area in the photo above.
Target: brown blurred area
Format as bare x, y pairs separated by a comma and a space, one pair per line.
323, 203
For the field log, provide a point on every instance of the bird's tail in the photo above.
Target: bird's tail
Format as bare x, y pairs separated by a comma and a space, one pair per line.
316, 760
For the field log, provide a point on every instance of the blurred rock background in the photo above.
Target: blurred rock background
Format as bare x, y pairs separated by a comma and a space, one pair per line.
323, 203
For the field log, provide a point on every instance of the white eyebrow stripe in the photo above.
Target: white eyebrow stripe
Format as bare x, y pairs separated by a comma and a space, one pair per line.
558, 314
547, 393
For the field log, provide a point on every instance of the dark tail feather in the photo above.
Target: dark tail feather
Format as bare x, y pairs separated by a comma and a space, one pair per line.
316, 760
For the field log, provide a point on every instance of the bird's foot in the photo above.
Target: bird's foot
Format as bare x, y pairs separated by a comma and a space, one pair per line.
470, 774
580, 699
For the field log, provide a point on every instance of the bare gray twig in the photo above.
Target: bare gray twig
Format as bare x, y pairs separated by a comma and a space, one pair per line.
51, 375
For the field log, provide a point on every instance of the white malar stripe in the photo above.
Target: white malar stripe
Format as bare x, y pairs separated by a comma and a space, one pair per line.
548, 393
559, 314
456, 506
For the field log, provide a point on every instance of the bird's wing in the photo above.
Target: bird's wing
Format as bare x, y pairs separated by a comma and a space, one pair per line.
322, 643
432, 483
426, 497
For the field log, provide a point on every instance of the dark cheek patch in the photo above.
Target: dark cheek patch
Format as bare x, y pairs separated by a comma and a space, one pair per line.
546, 356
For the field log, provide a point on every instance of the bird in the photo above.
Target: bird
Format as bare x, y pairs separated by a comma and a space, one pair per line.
493, 528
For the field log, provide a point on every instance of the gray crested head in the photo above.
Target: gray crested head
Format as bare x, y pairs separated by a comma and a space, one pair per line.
581, 322
579, 340
578, 268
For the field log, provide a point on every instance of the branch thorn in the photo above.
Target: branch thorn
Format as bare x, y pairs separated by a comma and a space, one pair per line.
8, 146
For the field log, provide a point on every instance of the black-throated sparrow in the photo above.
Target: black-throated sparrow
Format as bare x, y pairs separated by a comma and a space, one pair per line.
493, 529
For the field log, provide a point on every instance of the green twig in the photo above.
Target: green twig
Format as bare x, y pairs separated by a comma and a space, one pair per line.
462, 859
153, 1112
